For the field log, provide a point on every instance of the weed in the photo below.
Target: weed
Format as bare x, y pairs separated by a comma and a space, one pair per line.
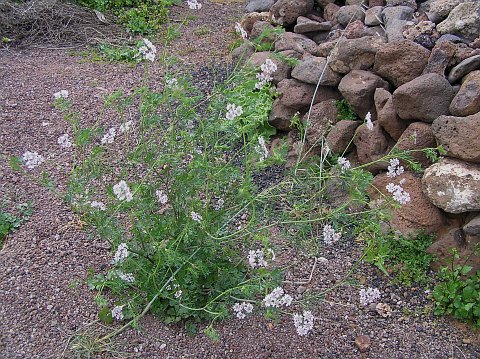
345, 112
10, 222
457, 292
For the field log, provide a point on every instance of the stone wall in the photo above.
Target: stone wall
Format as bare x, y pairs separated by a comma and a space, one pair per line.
414, 67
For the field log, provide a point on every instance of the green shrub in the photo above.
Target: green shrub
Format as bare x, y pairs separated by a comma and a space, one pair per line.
456, 295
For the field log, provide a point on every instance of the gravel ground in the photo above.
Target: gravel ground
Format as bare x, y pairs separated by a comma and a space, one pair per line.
44, 302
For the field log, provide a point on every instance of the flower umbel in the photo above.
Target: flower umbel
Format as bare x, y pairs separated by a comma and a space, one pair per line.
368, 119
344, 163
329, 235
64, 141
61, 94
196, 217
32, 159
268, 68
369, 296
122, 191
161, 196
398, 193
241, 308
194, 4
148, 51
394, 169
117, 312
121, 254
277, 298
303, 322
239, 29
233, 111
109, 137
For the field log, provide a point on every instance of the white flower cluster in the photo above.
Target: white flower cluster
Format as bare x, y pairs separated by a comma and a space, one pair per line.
196, 217
109, 137
268, 68
148, 51
368, 119
239, 29
369, 296
303, 322
121, 254
344, 164
61, 94
125, 127
117, 312
161, 196
218, 204
398, 193
233, 111
64, 141
277, 298
173, 82
394, 169
97, 204
32, 159
127, 277
241, 308
194, 4
122, 191
262, 149
256, 258
329, 235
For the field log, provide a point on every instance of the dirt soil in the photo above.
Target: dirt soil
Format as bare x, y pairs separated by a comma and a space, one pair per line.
45, 304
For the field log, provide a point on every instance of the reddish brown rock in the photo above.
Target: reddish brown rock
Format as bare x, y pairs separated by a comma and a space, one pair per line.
387, 116
418, 214
298, 94
286, 12
339, 139
440, 57
363, 343
401, 61
330, 13
250, 19
460, 136
297, 42
358, 88
320, 119
453, 237
281, 116
423, 99
417, 136
355, 54
312, 69
372, 3
371, 146
467, 100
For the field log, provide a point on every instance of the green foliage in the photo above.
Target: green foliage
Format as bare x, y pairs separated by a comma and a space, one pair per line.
457, 292
138, 16
266, 40
186, 252
345, 112
10, 222
404, 258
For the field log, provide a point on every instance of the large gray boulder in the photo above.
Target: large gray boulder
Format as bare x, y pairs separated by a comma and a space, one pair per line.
463, 20
467, 100
425, 98
460, 136
453, 185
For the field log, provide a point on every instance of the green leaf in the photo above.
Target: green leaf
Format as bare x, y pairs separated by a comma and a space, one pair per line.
466, 269
105, 315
